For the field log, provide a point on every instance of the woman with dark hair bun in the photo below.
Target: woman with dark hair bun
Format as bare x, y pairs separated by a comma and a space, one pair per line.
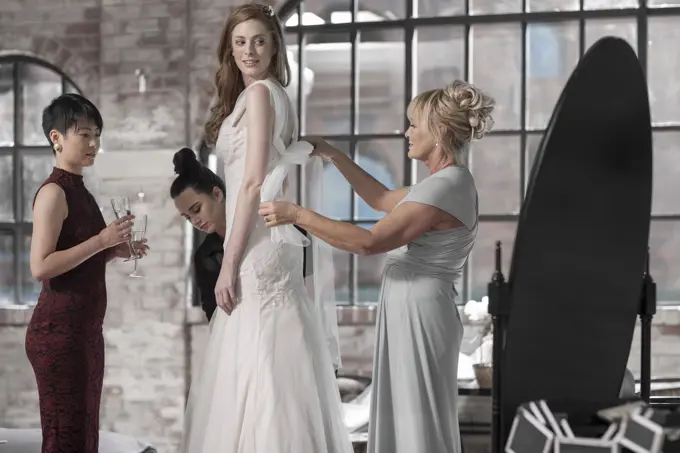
198, 194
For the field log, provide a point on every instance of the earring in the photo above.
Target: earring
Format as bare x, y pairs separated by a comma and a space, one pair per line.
57, 148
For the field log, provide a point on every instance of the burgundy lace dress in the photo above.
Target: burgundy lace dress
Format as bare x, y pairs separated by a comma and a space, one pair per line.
64, 341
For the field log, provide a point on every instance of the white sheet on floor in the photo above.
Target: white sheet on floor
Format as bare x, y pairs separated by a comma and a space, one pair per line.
30, 441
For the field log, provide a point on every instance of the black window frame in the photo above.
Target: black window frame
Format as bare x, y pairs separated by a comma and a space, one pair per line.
19, 228
409, 24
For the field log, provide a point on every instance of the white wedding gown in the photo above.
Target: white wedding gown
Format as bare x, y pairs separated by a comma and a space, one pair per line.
267, 383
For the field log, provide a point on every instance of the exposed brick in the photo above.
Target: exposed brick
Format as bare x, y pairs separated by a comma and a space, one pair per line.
84, 28
151, 352
153, 40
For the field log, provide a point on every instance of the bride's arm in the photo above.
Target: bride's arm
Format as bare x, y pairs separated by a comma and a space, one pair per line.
260, 120
372, 191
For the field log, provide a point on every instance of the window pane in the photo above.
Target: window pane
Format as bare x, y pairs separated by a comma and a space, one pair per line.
377, 10
38, 86
30, 288
495, 6
6, 105
497, 49
448, 43
69, 88
663, 3
308, 18
552, 53
483, 257
381, 81
337, 196
384, 160
663, 69
324, 12
428, 8
7, 282
291, 40
319, 13
665, 261
495, 164
328, 56
341, 263
609, 4
532, 144
369, 275
666, 173
35, 170
6, 188
552, 5
597, 29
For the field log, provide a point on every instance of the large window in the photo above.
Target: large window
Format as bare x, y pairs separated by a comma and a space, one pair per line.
27, 85
359, 62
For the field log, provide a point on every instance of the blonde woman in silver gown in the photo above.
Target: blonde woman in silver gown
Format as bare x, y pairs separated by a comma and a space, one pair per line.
428, 232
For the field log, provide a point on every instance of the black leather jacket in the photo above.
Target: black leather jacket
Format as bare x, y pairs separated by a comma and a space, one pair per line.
207, 264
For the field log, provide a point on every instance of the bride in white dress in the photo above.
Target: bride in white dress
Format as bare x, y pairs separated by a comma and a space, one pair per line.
267, 383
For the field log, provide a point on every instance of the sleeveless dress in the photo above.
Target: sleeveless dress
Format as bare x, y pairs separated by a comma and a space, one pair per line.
267, 383
64, 340
419, 332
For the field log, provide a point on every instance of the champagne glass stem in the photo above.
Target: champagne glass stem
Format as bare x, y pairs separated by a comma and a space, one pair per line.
133, 254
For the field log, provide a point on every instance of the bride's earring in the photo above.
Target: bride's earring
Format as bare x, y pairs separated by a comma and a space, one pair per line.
57, 148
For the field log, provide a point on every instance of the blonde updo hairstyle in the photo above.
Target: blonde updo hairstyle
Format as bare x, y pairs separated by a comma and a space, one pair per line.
455, 115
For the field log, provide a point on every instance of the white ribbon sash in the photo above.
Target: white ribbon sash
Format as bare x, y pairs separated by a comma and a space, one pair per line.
296, 154
323, 272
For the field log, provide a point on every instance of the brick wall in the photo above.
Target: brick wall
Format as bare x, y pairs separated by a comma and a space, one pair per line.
151, 350
144, 386
100, 44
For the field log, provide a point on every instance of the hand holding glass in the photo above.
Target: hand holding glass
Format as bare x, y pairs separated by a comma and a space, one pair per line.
137, 235
121, 207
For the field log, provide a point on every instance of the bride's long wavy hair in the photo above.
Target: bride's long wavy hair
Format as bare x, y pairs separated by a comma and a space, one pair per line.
228, 79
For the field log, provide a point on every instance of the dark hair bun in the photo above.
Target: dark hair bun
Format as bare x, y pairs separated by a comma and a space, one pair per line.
185, 162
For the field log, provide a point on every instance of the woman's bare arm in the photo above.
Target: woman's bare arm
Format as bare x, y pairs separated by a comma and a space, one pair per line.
404, 224
260, 118
49, 213
372, 191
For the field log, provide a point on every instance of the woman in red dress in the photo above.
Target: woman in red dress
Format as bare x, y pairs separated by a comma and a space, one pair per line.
70, 247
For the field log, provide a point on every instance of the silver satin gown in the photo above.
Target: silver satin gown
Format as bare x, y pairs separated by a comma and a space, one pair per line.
419, 331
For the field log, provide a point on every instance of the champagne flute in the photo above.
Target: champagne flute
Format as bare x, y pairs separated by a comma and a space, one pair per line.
121, 207
138, 234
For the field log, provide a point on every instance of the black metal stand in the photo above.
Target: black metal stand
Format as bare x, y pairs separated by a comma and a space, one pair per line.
646, 311
499, 309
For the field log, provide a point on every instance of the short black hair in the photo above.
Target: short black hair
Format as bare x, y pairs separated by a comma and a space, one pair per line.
67, 111
192, 174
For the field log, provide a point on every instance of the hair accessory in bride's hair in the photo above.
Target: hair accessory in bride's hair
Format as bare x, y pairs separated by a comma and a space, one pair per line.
268, 10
